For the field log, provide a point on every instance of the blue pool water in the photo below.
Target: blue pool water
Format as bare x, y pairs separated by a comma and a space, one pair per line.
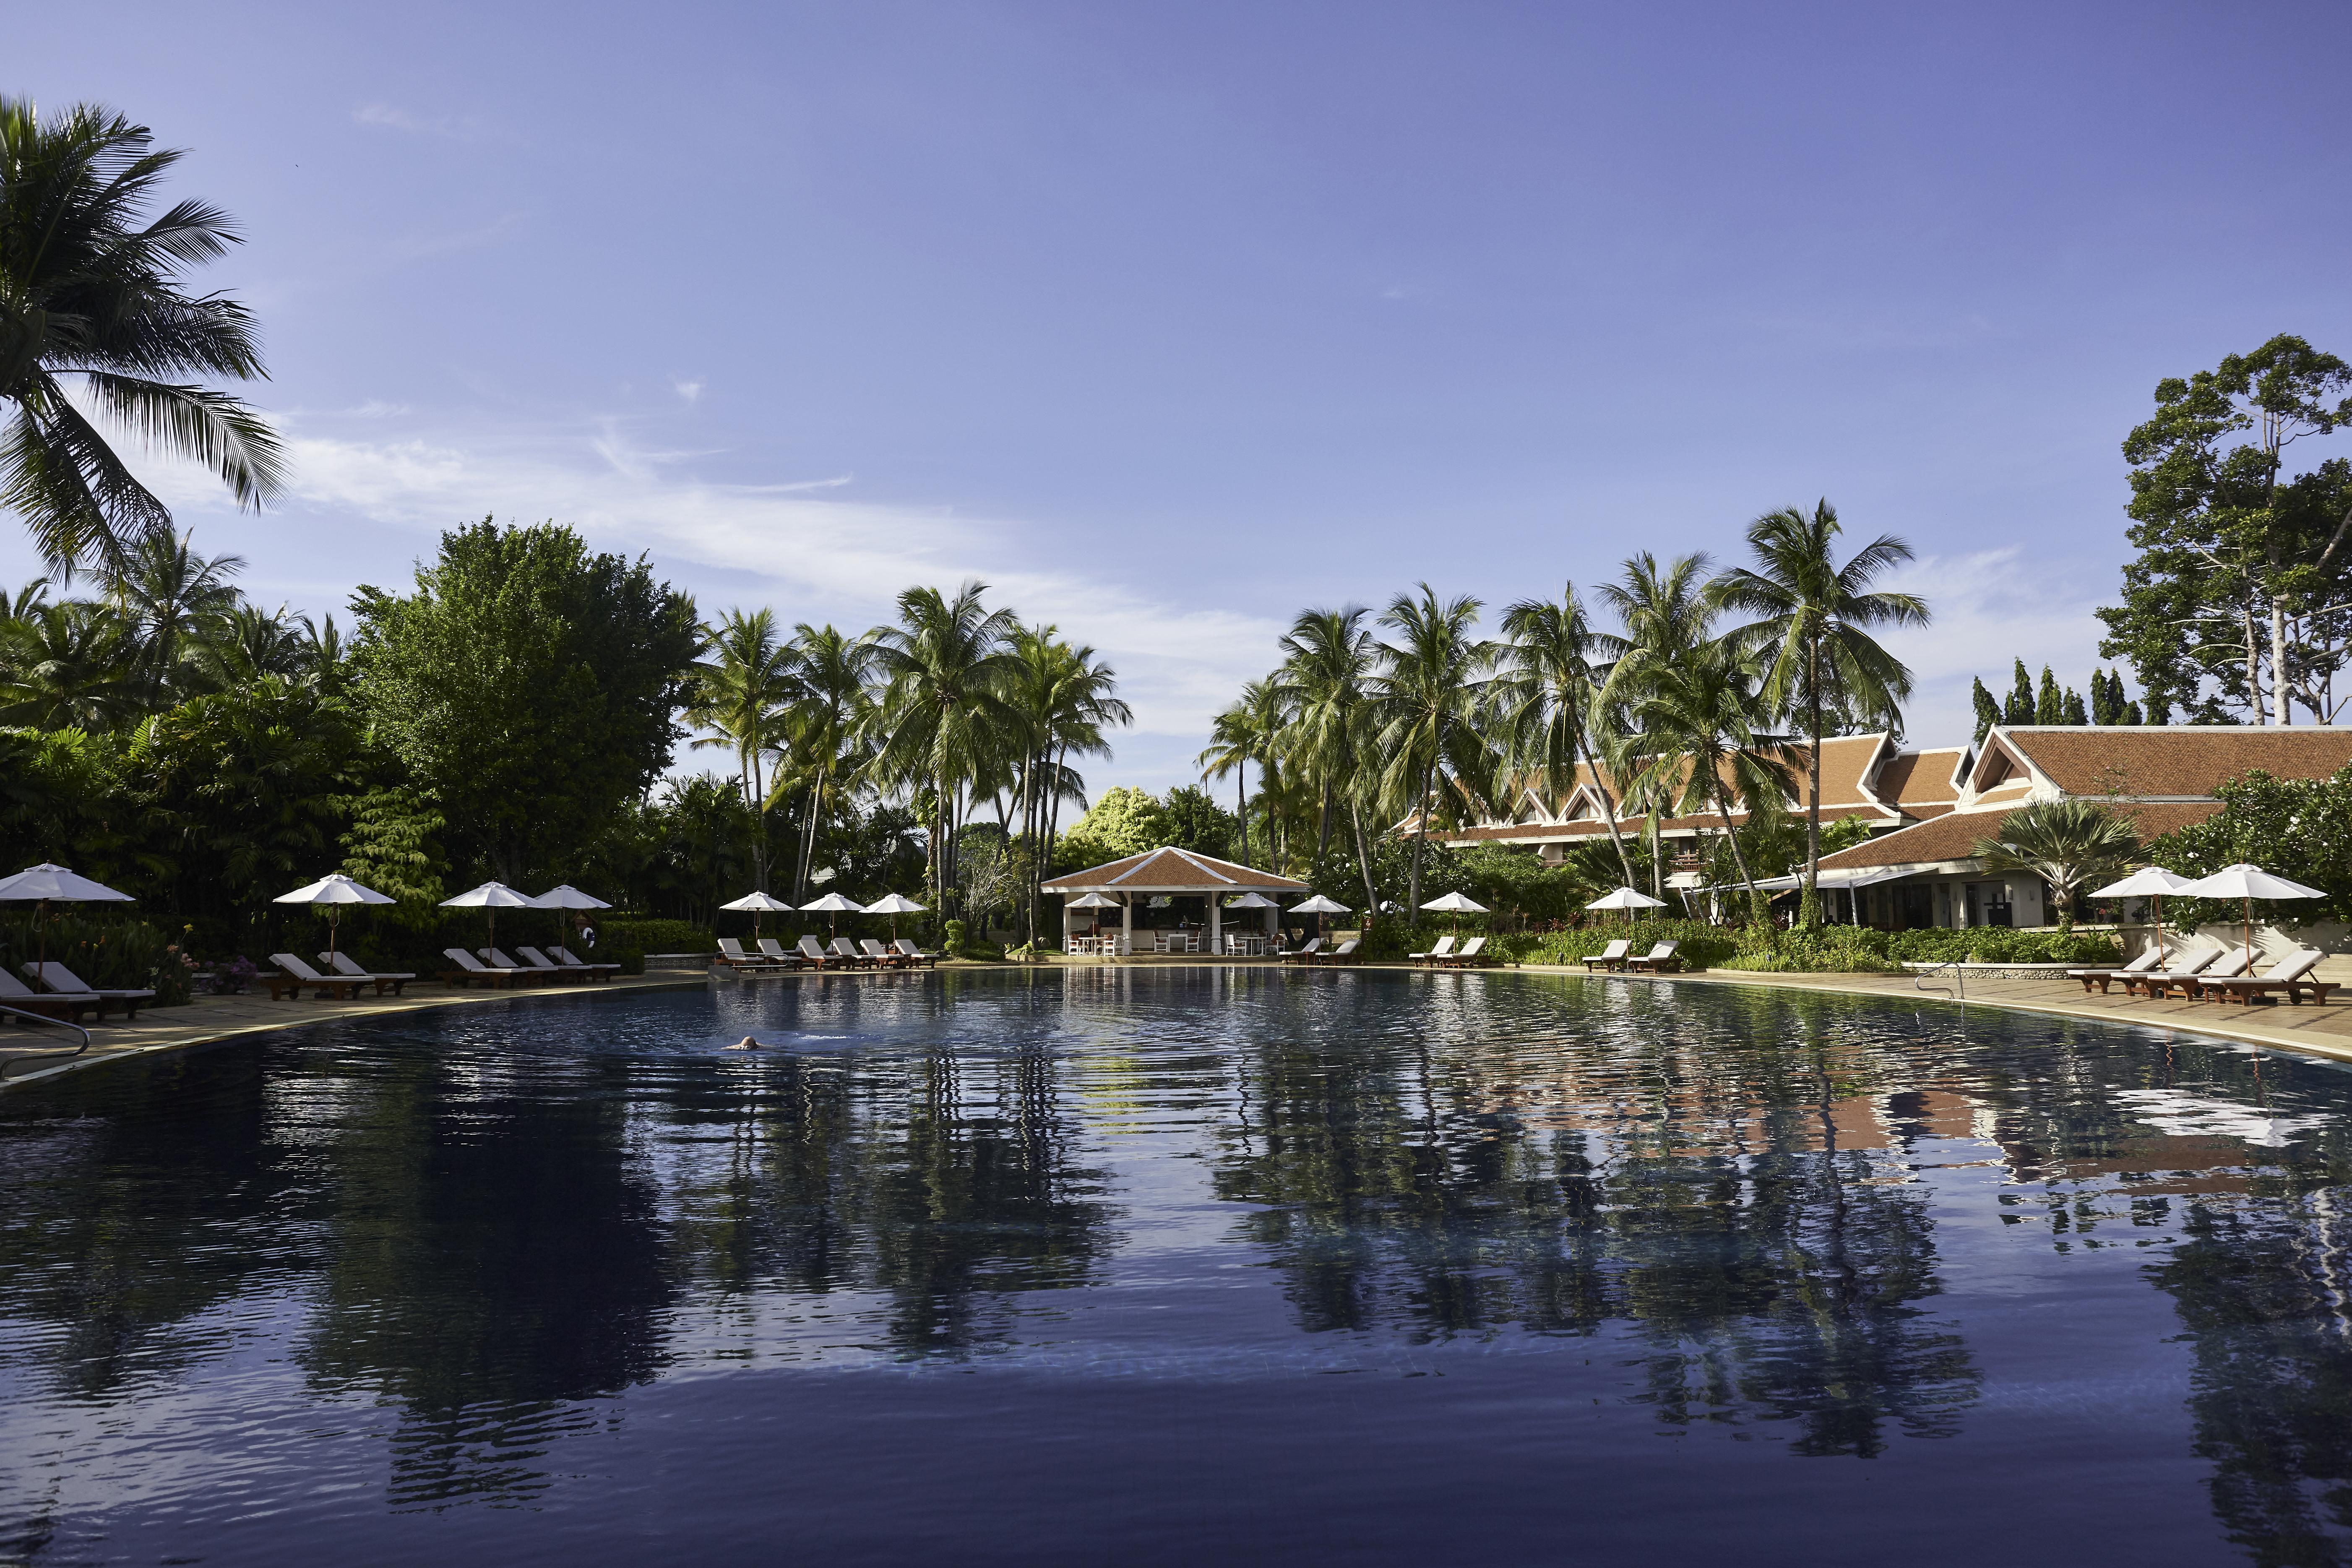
1180, 1265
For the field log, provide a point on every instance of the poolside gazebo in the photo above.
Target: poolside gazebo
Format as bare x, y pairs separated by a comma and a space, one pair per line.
1177, 873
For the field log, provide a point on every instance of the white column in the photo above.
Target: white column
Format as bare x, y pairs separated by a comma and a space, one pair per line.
1216, 924
1126, 925
1272, 928
1065, 925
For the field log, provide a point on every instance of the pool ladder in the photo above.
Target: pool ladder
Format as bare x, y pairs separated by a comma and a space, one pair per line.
44, 1055
1957, 990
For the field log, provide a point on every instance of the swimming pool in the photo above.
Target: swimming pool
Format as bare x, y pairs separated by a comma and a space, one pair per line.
1172, 1265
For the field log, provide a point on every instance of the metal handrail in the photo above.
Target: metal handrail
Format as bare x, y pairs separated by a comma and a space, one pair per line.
44, 1055
1958, 989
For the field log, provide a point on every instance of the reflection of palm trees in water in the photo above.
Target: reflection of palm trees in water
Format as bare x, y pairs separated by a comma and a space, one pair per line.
1439, 1191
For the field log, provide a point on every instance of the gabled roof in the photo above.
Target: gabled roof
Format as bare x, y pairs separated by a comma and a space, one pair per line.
1953, 836
2173, 761
1171, 870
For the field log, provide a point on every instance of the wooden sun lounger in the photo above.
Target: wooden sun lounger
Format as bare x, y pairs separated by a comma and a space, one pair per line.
293, 975
471, 968
566, 957
1343, 953
67, 1006
1472, 956
55, 977
2286, 975
2102, 978
814, 954
344, 964
916, 956
1662, 958
1609, 957
1441, 951
2156, 982
1305, 954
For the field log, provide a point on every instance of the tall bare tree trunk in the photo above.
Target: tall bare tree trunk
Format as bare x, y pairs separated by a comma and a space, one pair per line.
1364, 861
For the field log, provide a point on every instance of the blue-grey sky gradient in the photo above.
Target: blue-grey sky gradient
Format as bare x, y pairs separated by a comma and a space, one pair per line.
1171, 319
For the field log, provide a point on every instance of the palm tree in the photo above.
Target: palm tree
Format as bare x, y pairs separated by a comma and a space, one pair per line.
244, 645
1701, 716
741, 690
65, 665
1065, 696
1550, 699
1241, 734
2063, 842
833, 672
1815, 616
1330, 660
172, 601
944, 667
1666, 614
87, 291
1428, 695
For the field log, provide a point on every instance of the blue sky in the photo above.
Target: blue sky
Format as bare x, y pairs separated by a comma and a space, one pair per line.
1170, 319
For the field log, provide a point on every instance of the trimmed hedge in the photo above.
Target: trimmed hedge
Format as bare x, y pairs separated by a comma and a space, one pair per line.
656, 936
1827, 950
1703, 946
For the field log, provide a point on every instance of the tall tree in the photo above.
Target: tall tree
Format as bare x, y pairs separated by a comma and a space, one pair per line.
89, 291
1667, 612
945, 669
1703, 716
2063, 842
1548, 695
1428, 695
529, 687
171, 600
1329, 660
2239, 564
1987, 710
2049, 702
2019, 709
1816, 615
1243, 734
743, 690
832, 674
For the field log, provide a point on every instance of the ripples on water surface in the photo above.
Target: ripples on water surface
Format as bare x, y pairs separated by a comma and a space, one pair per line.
1176, 1265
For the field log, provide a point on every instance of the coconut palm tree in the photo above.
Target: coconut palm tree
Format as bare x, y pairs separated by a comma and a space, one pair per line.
1815, 616
89, 292
1548, 696
1428, 695
66, 665
2064, 842
1329, 657
171, 600
833, 677
944, 670
1066, 696
1241, 734
1701, 719
742, 687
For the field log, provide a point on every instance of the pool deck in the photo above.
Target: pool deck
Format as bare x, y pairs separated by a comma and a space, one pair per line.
215, 1020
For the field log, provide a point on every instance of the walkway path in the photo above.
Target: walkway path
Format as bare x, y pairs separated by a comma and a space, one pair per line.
209, 1020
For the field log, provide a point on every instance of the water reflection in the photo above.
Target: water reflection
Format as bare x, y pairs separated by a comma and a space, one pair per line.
1747, 1214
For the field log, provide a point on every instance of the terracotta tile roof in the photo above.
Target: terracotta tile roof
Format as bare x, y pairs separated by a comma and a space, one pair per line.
2178, 759
1845, 759
1919, 783
1169, 869
1953, 836
1630, 827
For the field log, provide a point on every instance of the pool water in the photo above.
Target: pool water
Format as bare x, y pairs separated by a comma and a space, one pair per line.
1179, 1264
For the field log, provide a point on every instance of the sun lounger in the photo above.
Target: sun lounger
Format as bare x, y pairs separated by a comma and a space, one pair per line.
732, 954
55, 976
1609, 957
884, 957
2181, 975
497, 958
349, 968
2287, 974
1472, 956
1340, 954
845, 951
1661, 959
471, 968
915, 955
569, 960
1305, 954
554, 969
67, 1005
2102, 978
1443, 949
777, 953
294, 974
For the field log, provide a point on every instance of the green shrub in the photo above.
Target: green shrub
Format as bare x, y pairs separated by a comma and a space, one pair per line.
653, 936
951, 940
1704, 946
125, 955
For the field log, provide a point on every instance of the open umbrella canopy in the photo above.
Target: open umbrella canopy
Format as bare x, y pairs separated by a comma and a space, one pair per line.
1252, 901
334, 889
1626, 898
55, 884
1095, 901
1318, 905
491, 896
567, 896
2147, 882
2245, 881
758, 904
835, 904
1455, 903
895, 904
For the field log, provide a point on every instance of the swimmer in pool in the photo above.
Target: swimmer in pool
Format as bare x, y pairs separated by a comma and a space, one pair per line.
746, 1044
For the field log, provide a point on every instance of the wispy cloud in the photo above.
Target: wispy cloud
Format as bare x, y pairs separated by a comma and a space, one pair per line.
690, 391
1990, 607
448, 127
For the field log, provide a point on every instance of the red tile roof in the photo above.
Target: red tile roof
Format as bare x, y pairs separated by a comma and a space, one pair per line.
1954, 834
1169, 869
2177, 759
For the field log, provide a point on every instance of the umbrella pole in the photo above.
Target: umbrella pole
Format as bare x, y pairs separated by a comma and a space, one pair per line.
2249, 904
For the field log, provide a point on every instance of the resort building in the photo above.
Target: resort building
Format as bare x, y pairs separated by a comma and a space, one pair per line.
1927, 809
1172, 900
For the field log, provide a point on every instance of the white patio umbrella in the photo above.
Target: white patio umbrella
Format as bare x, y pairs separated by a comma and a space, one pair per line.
1457, 905
833, 905
1252, 901
2147, 882
894, 905
331, 892
1629, 900
493, 896
1318, 906
45, 884
1095, 901
2246, 883
757, 904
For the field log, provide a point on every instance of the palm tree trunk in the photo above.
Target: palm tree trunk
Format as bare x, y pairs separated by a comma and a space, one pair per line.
1364, 860
1240, 805
1323, 826
1810, 912
1755, 900
1419, 843
1578, 752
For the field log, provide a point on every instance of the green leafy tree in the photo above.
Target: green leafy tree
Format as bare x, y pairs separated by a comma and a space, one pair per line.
1328, 662
2064, 842
1816, 617
1548, 695
1122, 822
527, 688
2241, 567
2049, 702
1430, 696
825, 725
2302, 826
93, 291
2074, 708
1987, 710
1704, 713
1241, 734
1198, 823
741, 690
1667, 613
2020, 707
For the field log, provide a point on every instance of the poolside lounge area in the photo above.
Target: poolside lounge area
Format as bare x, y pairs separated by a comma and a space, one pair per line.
1172, 903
